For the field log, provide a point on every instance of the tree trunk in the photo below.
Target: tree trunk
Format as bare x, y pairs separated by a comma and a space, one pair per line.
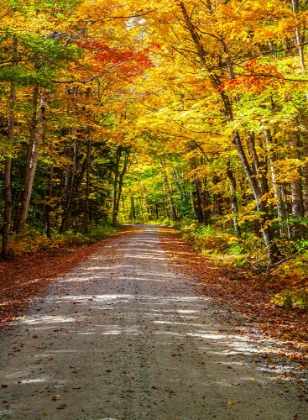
217, 199
198, 213
233, 201
169, 192
118, 182
276, 190
296, 190
305, 171
265, 217
72, 187
7, 182
201, 199
258, 167
36, 135
299, 38
87, 204
48, 207
132, 208
115, 187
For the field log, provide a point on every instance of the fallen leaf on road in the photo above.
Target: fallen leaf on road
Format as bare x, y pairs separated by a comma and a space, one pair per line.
61, 407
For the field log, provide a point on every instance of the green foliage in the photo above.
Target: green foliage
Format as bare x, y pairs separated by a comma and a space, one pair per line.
59, 8
39, 61
100, 232
301, 245
209, 239
223, 246
31, 240
289, 298
236, 250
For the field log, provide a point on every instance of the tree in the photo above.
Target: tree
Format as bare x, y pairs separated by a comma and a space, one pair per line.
203, 97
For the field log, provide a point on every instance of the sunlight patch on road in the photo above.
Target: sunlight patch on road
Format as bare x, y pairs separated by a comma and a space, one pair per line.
178, 323
140, 279
30, 381
281, 369
142, 257
190, 317
113, 268
86, 278
245, 348
140, 243
64, 351
96, 298
184, 298
212, 336
120, 297
116, 331
47, 319
161, 332
186, 311
173, 311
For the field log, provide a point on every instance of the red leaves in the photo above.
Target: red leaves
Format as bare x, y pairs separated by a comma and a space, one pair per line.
256, 79
130, 63
103, 53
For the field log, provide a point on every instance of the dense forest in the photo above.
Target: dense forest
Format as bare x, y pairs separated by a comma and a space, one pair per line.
193, 112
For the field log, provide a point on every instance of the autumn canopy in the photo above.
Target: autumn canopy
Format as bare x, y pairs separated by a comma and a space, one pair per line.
155, 110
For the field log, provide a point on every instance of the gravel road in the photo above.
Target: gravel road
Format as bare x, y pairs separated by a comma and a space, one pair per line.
125, 335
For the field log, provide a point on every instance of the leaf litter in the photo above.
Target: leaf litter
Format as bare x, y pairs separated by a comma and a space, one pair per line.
247, 302
24, 279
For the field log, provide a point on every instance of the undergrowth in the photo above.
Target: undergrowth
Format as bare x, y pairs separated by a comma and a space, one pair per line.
247, 256
31, 241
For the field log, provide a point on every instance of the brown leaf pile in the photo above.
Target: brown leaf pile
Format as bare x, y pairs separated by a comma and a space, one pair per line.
23, 279
247, 298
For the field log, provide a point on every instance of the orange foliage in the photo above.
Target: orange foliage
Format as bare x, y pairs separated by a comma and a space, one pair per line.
257, 77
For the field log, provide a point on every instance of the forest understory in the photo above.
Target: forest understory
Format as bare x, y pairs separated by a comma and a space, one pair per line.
243, 297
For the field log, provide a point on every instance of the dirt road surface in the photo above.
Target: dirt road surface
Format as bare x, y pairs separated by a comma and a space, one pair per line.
125, 335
